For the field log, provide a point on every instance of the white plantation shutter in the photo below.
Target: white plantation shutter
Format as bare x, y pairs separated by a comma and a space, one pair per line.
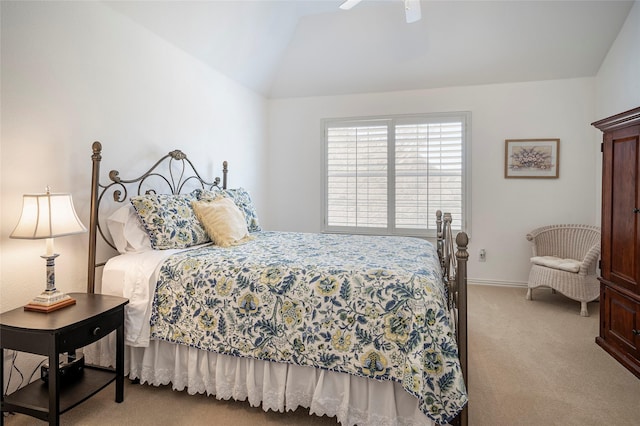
389, 175
357, 176
428, 173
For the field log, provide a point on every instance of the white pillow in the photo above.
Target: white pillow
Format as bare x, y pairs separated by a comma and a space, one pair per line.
223, 221
127, 232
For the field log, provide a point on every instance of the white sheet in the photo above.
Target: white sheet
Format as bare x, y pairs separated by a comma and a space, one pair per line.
134, 276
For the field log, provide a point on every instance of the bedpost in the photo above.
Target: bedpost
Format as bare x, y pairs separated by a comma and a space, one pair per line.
224, 174
93, 221
462, 255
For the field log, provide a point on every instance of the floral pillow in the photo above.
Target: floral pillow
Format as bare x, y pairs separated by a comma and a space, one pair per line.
241, 197
169, 220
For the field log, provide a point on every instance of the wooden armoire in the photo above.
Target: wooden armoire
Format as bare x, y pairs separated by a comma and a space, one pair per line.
620, 264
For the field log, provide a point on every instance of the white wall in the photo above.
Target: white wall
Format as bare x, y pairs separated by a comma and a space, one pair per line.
502, 210
618, 80
75, 72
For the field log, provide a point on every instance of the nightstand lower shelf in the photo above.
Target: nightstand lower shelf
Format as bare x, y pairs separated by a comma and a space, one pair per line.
33, 399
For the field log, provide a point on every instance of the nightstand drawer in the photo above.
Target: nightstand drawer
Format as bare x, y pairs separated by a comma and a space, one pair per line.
91, 331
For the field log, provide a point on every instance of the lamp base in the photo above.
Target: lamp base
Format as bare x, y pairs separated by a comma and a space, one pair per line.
49, 301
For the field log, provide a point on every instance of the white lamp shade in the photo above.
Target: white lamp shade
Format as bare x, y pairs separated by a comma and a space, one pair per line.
47, 216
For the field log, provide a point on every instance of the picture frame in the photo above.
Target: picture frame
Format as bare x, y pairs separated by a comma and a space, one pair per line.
532, 158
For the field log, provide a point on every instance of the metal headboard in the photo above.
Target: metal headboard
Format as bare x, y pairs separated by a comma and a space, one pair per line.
177, 173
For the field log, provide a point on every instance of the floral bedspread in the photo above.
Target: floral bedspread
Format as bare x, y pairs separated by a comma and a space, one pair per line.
369, 306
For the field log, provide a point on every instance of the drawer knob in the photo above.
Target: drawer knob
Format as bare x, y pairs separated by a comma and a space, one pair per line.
96, 331
636, 332
636, 210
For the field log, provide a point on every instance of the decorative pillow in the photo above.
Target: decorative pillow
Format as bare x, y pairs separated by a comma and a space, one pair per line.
170, 220
127, 232
241, 197
223, 221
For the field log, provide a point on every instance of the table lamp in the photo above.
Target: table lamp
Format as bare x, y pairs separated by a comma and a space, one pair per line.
48, 216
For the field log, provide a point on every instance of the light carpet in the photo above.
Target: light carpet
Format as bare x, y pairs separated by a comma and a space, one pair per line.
530, 363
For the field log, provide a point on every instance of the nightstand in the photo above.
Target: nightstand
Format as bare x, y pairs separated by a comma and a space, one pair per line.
92, 317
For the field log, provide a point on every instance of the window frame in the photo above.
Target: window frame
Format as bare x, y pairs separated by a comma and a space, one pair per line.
391, 121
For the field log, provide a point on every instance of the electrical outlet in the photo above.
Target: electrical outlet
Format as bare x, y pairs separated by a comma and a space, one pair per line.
482, 255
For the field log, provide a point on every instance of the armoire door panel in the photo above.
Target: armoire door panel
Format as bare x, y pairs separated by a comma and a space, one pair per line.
622, 250
621, 321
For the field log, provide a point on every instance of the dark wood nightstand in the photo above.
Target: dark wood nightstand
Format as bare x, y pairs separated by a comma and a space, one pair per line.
90, 319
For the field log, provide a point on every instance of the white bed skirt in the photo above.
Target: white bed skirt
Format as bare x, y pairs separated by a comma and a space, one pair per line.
276, 386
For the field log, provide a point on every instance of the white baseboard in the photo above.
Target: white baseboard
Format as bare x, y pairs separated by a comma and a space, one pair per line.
499, 283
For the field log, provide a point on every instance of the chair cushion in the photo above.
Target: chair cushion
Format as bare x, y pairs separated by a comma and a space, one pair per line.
569, 265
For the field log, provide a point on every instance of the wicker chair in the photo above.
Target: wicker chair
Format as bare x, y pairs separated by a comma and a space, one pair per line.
564, 259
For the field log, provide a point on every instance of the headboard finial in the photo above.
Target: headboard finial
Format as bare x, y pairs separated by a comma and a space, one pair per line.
462, 240
225, 170
177, 155
97, 148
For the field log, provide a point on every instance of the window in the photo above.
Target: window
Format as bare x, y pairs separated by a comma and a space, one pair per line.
389, 175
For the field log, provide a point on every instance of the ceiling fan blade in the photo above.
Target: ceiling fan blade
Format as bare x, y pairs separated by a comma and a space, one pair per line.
412, 10
348, 4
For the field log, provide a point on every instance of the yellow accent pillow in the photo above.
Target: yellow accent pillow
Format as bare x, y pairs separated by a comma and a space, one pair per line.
223, 221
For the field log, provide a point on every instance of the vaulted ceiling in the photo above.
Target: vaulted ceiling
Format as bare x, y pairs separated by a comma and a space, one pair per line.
292, 48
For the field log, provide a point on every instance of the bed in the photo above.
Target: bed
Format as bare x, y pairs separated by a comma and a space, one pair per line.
348, 326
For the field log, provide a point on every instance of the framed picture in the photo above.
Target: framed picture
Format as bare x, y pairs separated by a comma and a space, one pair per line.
531, 158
